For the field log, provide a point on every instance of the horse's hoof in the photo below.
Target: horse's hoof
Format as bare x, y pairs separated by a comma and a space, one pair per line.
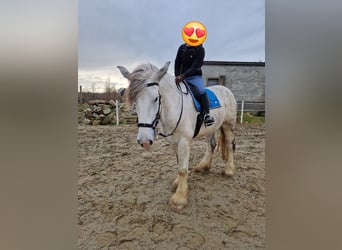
202, 169
228, 173
178, 200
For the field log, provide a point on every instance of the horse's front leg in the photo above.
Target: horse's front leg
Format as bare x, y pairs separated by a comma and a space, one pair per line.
180, 197
175, 182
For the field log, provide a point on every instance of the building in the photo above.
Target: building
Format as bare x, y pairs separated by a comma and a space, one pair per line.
245, 79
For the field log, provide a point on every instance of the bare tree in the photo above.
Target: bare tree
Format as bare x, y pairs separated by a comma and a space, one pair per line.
80, 95
107, 88
93, 88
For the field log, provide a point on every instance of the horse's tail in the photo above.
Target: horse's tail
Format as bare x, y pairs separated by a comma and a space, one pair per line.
223, 144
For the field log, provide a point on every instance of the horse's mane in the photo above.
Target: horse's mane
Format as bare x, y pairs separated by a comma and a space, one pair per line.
137, 79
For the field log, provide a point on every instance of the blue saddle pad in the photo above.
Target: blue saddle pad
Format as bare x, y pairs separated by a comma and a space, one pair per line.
213, 100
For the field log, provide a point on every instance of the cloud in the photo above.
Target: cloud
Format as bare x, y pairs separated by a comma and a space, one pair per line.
129, 32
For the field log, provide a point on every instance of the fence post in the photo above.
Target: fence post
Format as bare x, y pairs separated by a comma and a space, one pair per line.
241, 114
81, 95
117, 111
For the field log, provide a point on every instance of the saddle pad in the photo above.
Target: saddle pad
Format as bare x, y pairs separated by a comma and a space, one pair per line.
213, 100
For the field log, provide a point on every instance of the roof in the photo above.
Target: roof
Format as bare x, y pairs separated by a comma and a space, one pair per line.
230, 63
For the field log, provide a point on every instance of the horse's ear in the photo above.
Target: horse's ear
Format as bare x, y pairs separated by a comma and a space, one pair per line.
164, 69
124, 72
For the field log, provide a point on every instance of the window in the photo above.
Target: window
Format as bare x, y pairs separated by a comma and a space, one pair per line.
212, 81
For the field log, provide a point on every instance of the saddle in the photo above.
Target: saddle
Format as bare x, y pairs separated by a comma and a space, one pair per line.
213, 100
213, 104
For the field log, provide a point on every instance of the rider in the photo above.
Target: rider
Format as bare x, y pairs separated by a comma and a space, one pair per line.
188, 63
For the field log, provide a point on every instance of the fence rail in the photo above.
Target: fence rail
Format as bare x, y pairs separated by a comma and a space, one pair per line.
251, 106
247, 106
242, 106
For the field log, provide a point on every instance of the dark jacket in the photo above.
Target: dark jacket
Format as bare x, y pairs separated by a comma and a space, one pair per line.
189, 60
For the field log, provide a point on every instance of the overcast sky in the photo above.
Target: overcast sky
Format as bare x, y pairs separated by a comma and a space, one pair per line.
130, 32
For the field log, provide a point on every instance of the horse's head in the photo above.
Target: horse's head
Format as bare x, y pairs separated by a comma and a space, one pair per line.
143, 90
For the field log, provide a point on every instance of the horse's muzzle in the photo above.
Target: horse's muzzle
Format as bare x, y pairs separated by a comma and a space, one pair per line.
145, 143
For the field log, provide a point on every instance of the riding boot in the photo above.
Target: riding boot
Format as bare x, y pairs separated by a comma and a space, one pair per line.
208, 119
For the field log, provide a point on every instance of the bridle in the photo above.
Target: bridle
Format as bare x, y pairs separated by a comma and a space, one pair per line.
155, 122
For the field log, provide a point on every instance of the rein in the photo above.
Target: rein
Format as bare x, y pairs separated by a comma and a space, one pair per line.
180, 116
155, 122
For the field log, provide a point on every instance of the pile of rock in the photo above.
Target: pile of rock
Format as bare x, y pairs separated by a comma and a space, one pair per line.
100, 112
97, 112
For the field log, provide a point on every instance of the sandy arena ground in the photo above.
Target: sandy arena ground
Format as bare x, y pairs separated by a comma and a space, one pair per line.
123, 193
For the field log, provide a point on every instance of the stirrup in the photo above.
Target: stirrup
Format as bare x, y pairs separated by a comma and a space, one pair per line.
208, 120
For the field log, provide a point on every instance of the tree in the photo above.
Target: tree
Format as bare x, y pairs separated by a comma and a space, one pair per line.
93, 88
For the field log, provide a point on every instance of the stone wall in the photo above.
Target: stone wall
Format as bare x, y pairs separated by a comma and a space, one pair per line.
100, 112
245, 79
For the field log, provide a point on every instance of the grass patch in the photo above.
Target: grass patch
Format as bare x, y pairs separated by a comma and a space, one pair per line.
249, 118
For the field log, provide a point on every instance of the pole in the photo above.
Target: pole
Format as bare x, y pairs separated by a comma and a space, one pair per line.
81, 96
241, 115
117, 111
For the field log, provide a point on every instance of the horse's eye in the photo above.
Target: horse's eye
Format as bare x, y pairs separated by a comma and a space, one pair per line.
156, 99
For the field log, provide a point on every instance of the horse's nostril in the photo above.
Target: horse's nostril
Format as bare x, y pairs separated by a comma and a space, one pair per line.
151, 142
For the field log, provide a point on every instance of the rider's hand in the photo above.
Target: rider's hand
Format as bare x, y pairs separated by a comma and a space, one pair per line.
178, 79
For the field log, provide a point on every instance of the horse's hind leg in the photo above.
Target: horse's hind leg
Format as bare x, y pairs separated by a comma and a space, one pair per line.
227, 145
205, 163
